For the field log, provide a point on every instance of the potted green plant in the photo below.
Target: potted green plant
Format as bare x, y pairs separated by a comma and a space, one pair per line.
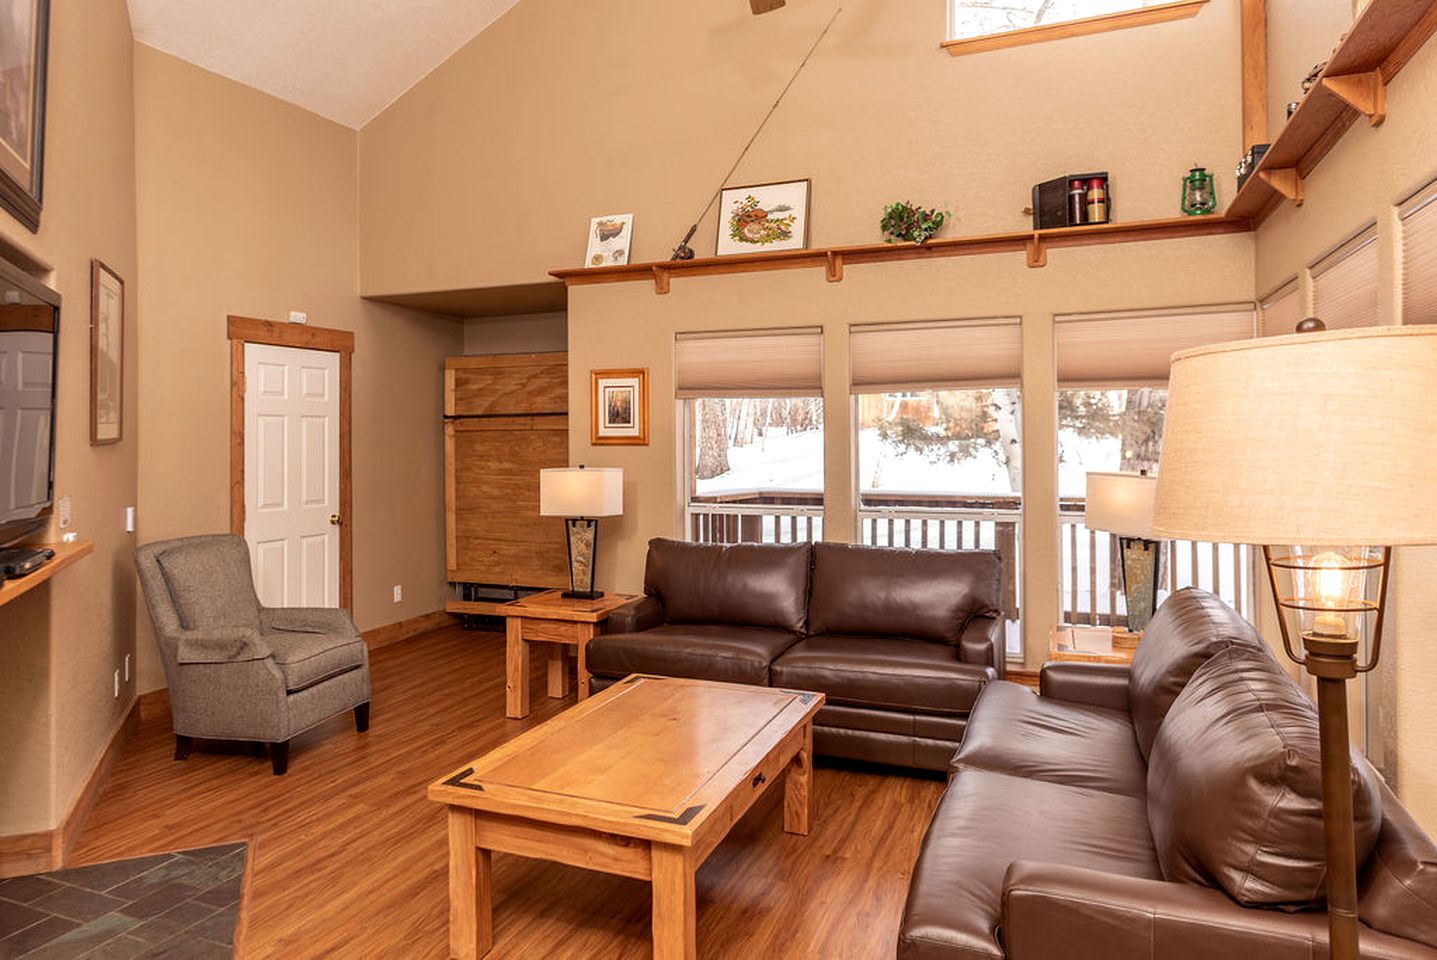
905, 222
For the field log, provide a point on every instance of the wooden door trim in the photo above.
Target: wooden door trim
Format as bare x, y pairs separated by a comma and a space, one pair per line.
244, 330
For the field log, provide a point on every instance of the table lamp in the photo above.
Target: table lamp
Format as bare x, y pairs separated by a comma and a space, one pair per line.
1321, 447
581, 495
1122, 504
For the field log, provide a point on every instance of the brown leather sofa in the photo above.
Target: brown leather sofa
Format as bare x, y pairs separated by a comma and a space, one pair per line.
1171, 810
900, 641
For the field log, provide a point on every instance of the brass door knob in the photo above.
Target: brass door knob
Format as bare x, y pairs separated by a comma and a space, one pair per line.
334, 519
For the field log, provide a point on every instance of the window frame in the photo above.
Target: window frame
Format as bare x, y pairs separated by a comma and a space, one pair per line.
1101, 23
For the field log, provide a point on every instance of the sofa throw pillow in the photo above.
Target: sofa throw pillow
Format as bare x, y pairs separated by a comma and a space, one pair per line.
1235, 786
210, 583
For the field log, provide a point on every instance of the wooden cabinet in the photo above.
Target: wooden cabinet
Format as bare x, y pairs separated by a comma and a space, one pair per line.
506, 419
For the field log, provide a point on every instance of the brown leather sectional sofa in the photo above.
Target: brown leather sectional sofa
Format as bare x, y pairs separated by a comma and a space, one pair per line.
1171, 810
900, 641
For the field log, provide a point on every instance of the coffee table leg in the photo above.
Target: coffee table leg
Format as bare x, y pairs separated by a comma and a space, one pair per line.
471, 917
798, 786
558, 675
516, 669
675, 920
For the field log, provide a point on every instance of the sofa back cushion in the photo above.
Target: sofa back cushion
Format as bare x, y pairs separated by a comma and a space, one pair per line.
888, 592
753, 584
1190, 627
1235, 786
210, 583
1398, 885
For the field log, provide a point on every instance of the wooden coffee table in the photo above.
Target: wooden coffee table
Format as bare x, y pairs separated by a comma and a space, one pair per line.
641, 780
562, 622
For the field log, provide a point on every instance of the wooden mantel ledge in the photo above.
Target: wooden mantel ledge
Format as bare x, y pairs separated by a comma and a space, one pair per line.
1034, 244
65, 554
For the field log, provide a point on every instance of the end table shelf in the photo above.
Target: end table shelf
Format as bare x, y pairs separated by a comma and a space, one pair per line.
65, 554
551, 618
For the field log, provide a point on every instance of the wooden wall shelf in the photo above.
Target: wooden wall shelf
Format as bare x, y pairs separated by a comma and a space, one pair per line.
1033, 244
1353, 85
65, 554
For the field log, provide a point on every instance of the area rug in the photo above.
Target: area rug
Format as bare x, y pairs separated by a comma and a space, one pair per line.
180, 906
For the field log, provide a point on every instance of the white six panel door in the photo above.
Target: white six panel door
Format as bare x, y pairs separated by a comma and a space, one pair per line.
291, 474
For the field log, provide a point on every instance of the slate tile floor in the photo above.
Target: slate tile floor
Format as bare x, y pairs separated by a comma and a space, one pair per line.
175, 906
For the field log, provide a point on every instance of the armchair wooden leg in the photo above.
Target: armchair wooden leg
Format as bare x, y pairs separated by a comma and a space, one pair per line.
279, 757
183, 746
361, 717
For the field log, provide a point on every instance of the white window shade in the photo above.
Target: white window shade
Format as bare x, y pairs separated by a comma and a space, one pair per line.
1344, 284
896, 357
750, 363
1280, 311
1134, 349
1419, 257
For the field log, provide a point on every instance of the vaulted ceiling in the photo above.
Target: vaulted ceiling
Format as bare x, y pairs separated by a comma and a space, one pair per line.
343, 59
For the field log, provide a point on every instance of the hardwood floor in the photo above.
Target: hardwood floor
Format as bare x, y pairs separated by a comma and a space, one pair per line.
350, 859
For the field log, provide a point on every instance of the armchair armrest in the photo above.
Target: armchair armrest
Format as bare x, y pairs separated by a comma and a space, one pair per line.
1058, 911
331, 620
636, 617
1092, 684
219, 645
982, 643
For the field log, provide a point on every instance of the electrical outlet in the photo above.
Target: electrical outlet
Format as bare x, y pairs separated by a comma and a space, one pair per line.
298, 316
127, 668
129, 519
62, 511
117, 684
398, 593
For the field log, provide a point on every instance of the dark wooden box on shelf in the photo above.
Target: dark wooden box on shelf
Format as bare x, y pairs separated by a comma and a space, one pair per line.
1050, 201
506, 418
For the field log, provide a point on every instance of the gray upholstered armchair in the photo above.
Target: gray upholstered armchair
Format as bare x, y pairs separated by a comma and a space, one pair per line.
240, 671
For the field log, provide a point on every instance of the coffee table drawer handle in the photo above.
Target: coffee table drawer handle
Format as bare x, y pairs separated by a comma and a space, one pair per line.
759, 779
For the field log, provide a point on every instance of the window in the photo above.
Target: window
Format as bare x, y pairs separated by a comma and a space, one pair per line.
1419, 257
1009, 22
1344, 283
1279, 312
753, 450
1112, 398
938, 437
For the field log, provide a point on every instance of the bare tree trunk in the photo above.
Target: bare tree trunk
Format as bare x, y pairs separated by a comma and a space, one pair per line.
713, 439
1007, 414
1141, 430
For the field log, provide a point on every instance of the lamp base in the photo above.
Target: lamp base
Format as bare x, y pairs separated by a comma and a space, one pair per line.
582, 594
582, 534
1140, 579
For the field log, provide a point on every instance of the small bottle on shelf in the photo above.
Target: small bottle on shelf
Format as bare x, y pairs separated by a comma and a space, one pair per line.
1077, 203
1097, 200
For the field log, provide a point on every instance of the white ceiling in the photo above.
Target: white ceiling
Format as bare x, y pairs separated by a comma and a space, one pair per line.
343, 59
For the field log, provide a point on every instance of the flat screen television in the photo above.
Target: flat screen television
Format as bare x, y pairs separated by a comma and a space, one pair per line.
29, 354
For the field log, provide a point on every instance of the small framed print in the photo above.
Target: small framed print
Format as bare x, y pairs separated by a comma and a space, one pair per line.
619, 407
763, 217
107, 354
609, 240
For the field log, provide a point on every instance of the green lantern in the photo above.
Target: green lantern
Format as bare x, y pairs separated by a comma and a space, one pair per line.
1199, 193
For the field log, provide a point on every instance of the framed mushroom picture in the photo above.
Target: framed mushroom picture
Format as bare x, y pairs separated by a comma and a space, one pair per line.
763, 217
609, 239
619, 407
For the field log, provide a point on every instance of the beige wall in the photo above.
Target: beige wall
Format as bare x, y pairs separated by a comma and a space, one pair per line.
1358, 183
60, 644
532, 333
1300, 35
247, 206
642, 106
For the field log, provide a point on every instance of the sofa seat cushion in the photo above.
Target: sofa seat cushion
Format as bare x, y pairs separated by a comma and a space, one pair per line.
731, 654
985, 822
883, 672
1017, 732
309, 658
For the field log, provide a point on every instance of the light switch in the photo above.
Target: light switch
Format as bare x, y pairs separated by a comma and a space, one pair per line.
62, 510
129, 519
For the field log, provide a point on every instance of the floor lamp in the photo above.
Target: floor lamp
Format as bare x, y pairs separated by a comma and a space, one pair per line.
1122, 504
1320, 447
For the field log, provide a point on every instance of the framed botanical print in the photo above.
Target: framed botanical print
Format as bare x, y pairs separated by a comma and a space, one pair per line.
619, 407
763, 217
609, 240
107, 353
24, 33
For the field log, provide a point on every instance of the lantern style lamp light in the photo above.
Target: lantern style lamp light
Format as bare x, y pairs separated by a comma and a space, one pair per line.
581, 495
1326, 440
1199, 193
1122, 504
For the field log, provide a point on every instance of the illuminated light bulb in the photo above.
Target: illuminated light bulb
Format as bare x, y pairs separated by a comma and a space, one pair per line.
1333, 583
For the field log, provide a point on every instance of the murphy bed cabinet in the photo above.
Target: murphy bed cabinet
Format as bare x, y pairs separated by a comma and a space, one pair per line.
505, 418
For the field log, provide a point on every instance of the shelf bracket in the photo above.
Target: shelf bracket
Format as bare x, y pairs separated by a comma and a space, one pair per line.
1364, 92
1037, 252
661, 280
1286, 181
833, 270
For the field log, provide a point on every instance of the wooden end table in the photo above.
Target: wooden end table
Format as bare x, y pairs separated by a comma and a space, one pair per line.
642, 780
551, 618
1066, 644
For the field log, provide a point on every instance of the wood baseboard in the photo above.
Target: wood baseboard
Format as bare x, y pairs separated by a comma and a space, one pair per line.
404, 629
26, 853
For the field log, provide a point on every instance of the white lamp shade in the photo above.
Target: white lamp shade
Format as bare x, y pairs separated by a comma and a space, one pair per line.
581, 492
1321, 439
1121, 503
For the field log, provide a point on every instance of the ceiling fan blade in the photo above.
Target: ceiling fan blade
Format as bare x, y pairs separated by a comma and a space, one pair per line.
764, 6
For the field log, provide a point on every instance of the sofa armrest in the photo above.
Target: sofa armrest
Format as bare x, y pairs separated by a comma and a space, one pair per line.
329, 620
636, 617
982, 643
1060, 911
219, 645
1092, 684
